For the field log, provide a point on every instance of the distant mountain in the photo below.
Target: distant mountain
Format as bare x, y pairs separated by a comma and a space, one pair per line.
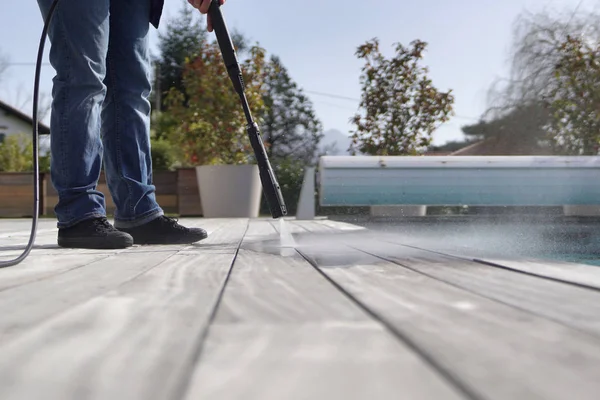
335, 143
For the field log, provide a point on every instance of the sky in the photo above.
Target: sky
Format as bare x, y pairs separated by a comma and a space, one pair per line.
468, 45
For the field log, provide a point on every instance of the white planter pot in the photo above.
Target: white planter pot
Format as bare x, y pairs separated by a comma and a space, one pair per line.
229, 191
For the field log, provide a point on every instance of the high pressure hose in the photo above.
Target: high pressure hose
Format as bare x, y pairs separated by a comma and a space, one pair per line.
36, 167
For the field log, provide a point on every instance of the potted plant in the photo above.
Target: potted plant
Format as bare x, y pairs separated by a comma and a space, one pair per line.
209, 130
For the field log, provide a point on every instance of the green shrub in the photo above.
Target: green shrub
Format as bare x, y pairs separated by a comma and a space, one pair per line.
163, 155
290, 175
16, 154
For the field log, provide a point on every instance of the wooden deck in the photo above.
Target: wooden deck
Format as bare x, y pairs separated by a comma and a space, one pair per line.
345, 313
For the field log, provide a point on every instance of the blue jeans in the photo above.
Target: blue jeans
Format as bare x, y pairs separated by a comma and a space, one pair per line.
101, 110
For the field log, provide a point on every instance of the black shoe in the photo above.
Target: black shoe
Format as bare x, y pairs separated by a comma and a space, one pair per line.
165, 230
95, 233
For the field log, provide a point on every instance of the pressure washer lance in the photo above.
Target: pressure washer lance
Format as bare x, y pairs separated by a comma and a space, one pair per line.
35, 137
270, 185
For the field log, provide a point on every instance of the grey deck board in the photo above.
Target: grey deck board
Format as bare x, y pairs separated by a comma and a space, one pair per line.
26, 306
32, 269
528, 291
47, 259
311, 361
180, 322
132, 340
569, 272
497, 351
282, 331
531, 248
576, 273
568, 304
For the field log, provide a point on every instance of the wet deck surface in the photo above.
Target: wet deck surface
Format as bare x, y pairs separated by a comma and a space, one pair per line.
343, 313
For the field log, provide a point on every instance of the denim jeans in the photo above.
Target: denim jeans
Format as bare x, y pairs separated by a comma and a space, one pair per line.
101, 110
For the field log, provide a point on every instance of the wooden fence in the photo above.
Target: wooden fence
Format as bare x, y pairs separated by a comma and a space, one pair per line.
176, 192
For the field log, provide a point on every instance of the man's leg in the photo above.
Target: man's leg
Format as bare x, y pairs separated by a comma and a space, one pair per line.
126, 115
126, 130
79, 34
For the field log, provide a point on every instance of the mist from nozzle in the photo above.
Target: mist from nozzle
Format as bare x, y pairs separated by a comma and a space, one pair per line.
285, 235
557, 241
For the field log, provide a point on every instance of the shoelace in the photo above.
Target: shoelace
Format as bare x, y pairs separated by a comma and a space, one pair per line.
174, 222
102, 225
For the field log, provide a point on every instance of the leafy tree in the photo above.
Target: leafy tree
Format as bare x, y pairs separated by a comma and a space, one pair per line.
211, 127
400, 106
183, 39
575, 98
16, 154
164, 156
289, 125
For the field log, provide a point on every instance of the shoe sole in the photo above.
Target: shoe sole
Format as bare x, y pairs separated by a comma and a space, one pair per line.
99, 243
163, 241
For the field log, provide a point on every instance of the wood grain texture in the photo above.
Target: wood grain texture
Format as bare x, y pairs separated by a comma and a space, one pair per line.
528, 250
47, 259
188, 192
568, 304
579, 274
34, 269
24, 307
270, 284
284, 332
135, 340
311, 361
497, 351
16, 194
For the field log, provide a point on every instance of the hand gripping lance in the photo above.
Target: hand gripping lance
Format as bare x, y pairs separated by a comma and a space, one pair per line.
270, 185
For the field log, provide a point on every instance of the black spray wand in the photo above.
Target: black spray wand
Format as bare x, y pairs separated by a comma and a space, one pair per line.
270, 185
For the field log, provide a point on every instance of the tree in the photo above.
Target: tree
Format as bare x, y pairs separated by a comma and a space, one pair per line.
522, 130
211, 126
182, 39
16, 153
536, 50
289, 125
400, 106
575, 97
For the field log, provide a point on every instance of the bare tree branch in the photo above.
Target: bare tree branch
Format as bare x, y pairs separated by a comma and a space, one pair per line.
3, 64
535, 51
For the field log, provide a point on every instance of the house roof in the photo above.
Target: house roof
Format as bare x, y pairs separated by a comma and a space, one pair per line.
43, 129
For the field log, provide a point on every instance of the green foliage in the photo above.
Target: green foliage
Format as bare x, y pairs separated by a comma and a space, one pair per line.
44, 162
183, 38
290, 175
575, 98
163, 155
205, 122
290, 127
400, 106
16, 154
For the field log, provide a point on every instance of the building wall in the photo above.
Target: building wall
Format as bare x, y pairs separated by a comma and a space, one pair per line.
10, 125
